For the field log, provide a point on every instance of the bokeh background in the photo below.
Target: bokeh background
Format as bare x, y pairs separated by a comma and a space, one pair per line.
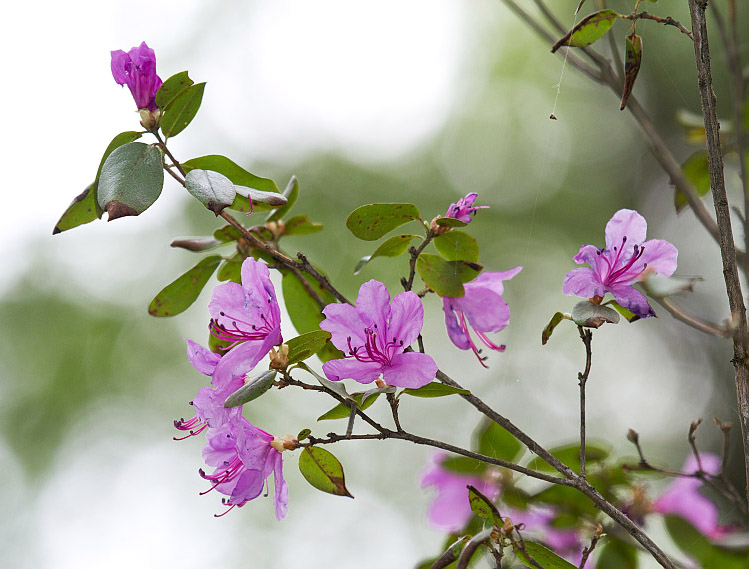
420, 101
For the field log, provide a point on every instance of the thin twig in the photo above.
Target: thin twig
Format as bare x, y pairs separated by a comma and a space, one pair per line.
667, 21
320, 278
587, 337
471, 547
415, 252
693, 443
593, 542
723, 215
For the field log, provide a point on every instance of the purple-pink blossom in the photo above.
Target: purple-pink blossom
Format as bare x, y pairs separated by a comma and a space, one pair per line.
244, 457
248, 317
625, 260
464, 210
450, 510
682, 498
137, 70
373, 337
481, 308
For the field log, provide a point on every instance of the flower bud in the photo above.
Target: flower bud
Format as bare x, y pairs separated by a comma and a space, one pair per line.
279, 359
286, 442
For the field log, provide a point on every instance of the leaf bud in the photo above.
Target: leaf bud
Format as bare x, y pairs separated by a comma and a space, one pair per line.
149, 119
286, 442
633, 436
279, 359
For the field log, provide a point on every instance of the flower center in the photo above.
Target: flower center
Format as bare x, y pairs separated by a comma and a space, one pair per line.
373, 349
241, 330
619, 269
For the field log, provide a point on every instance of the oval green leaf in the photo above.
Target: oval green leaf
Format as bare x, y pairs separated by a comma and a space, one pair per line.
171, 88
251, 390
457, 246
372, 221
435, 389
180, 294
483, 507
85, 208
131, 180
440, 275
181, 110
306, 345
592, 315
393, 247
543, 556
323, 471
497, 442
450, 222
615, 554
588, 30
231, 269
696, 170
301, 225
570, 455
238, 175
215, 191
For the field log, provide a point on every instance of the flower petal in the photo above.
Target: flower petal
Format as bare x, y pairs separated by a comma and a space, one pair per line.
239, 361
350, 368
625, 223
660, 256
411, 369
583, 282
281, 489
372, 304
485, 309
406, 318
202, 359
343, 322
633, 300
457, 335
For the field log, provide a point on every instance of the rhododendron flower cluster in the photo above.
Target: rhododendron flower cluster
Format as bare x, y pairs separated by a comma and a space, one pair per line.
242, 455
625, 260
464, 210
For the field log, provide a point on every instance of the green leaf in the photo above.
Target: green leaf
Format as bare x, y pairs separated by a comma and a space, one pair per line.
628, 315
463, 465
304, 311
570, 455
215, 191
439, 275
434, 389
370, 222
238, 175
696, 170
592, 315
698, 546
291, 193
497, 442
179, 295
466, 270
553, 323
457, 246
616, 554
301, 225
449, 222
227, 233
483, 507
131, 180
251, 390
306, 345
231, 269
171, 88
85, 208
303, 434
393, 247
342, 411
633, 59
543, 556
181, 110
588, 30
323, 471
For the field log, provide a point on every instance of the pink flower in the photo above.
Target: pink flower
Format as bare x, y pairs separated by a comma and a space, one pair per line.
464, 210
682, 498
373, 336
450, 509
625, 261
137, 70
481, 308
244, 457
248, 316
